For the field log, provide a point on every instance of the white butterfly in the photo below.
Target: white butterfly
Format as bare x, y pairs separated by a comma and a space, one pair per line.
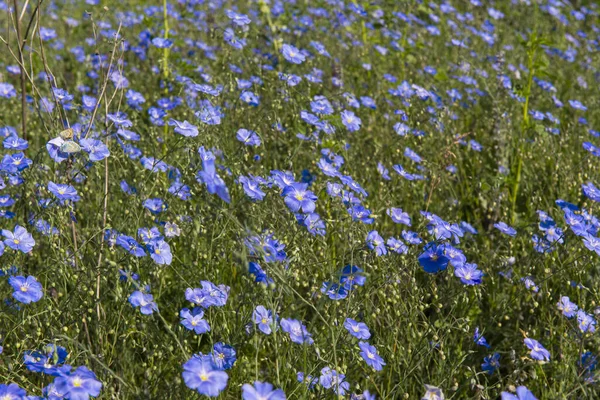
70, 147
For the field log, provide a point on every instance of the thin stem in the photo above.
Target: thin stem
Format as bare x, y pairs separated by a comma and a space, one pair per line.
20, 43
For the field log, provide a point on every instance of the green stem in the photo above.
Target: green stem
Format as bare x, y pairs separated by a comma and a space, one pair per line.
166, 50
517, 181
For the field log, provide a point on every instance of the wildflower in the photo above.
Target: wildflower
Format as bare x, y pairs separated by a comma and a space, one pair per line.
433, 258
160, 251
79, 384
491, 363
223, 355
522, 394
200, 374
538, 352
376, 242
350, 121
352, 275
261, 391
433, 393
357, 329
292, 54
193, 320
95, 148
586, 323
296, 330
249, 138
20, 239
263, 318
568, 308
479, 339
144, 301
399, 216
504, 228
331, 379
369, 354
297, 197
27, 290
184, 128
63, 192
469, 274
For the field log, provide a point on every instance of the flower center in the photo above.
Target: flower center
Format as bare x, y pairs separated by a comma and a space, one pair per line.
203, 377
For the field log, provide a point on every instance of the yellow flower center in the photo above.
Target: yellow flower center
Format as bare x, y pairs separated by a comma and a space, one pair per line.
17, 241
77, 382
203, 377
264, 320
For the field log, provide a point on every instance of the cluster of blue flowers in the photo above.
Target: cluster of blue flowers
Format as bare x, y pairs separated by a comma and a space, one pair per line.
386, 176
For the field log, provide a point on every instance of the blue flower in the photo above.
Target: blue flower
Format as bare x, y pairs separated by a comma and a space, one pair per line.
433, 258
63, 192
130, 245
160, 251
193, 320
491, 363
591, 191
162, 43
79, 384
334, 290
399, 216
144, 301
568, 308
96, 149
208, 175
352, 275
200, 374
586, 323
296, 330
223, 355
209, 295
350, 121
237, 19
261, 391
369, 354
27, 290
359, 330
468, 274
522, 394
249, 138
263, 318
251, 187
538, 352
331, 379
479, 339
504, 228
376, 242
12, 392
184, 128
292, 54
298, 197
20, 239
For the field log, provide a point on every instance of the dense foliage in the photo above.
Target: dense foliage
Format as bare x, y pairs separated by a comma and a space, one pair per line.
299, 199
